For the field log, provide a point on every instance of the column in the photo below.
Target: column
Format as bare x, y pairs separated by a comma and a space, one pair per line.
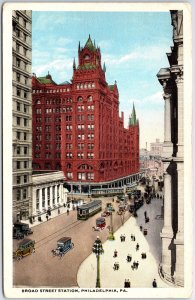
55, 194
167, 146
40, 199
61, 194
167, 231
179, 241
34, 202
51, 196
180, 142
46, 205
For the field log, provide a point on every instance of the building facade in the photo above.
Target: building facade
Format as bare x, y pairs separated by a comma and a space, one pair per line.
77, 127
48, 192
172, 265
22, 114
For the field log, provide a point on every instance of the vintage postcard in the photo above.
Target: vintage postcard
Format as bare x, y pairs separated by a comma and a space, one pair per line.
97, 112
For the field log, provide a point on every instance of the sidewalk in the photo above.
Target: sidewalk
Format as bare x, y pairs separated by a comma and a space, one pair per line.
54, 213
150, 244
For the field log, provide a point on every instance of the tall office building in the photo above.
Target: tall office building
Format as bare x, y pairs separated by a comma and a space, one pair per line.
77, 127
171, 78
22, 114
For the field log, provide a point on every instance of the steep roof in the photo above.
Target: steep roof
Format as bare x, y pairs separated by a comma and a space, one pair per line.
89, 44
46, 79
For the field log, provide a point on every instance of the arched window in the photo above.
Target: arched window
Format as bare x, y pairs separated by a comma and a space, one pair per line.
85, 167
38, 101
80, 99
69, 166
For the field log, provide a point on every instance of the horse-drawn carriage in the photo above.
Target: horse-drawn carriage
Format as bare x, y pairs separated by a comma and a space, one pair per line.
63, 246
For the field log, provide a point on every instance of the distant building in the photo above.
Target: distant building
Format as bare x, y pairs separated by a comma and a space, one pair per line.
77, 127
22, 114
171, 78
151, 160
156, 149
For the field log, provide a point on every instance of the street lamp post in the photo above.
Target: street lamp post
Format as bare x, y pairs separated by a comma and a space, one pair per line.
111, 234
98, 249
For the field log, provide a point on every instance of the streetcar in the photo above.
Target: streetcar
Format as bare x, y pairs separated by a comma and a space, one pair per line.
101, 223
87, 210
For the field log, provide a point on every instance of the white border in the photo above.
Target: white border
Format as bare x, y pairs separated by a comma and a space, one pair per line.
11, 292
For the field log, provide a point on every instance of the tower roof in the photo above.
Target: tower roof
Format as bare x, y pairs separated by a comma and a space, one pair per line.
89, 44
133, 120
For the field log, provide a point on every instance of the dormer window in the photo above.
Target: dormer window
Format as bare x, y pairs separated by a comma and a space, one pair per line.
86, 57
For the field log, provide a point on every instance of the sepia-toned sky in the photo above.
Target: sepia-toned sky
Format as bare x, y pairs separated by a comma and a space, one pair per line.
133, 46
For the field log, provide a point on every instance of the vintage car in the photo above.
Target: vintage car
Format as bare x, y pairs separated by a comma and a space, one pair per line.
23, 227
100, 222
63, 246
26, 247
17, 234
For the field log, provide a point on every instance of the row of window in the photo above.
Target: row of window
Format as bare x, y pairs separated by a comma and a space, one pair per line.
21, 121
21, 93
21, 20
80, 155
58, 137
21, 107
86, 85
81, 176
21, 135
80, 108
52, 91
21, 50
19, 63
21, 194
22, 179
22, 150
80, 146
22, 164
68, 118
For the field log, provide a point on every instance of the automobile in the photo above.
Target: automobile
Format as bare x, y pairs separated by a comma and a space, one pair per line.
17, 234
63, 246
26, 247
23, 227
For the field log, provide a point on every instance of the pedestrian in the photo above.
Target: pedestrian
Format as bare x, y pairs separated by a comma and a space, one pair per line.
131, 237
67, 211
58, 211
47, 217
134, 238
128, 283
115, 253
145, 214
137, 247
137, 265
121, 237
112, 199
64, 205
154, 283
129, 258
140, 227
124, 237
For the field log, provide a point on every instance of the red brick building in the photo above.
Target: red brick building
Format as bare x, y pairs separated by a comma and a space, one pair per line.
77, 127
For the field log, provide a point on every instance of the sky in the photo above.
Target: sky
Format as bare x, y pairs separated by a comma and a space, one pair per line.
133, 46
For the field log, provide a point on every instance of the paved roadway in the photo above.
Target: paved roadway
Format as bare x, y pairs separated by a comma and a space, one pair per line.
41, 268
150, 244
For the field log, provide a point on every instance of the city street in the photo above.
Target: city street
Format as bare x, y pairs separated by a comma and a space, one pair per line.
149, 244
41, 268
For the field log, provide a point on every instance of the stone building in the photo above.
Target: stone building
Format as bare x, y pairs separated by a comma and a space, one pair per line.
171, 78
48, 191
21, 114
77, 127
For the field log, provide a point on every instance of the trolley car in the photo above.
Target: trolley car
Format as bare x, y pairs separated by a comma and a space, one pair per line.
87, 210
